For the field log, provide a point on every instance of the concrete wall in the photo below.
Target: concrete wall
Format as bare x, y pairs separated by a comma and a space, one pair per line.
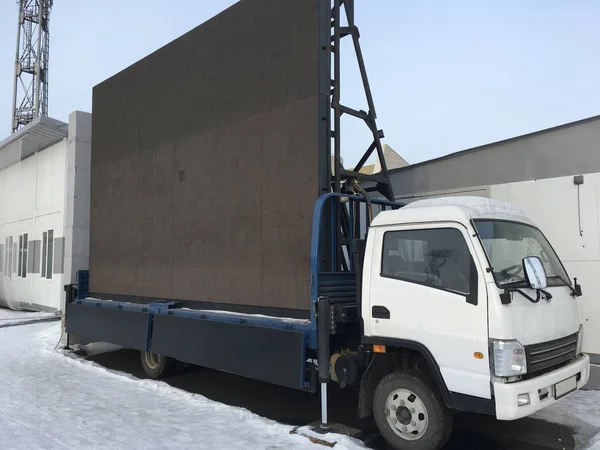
566, 150
77, 196
46, 191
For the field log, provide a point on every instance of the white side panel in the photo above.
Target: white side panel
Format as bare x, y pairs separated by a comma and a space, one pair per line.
32, 200
553, 205
588, 274
48, 292
443, 322
50, 180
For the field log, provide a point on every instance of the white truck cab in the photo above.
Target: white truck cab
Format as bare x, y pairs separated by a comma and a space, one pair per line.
475, 289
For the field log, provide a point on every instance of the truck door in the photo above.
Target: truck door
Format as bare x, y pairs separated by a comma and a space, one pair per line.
426, 286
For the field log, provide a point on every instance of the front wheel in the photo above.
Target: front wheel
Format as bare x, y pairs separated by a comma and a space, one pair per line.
410, 413
157, 366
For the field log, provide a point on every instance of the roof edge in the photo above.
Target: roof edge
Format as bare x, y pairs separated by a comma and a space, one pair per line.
496, 143
57, 125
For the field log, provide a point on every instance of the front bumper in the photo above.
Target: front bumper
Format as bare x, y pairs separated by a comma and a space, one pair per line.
507, 394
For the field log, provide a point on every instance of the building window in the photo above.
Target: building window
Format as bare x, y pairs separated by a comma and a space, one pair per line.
6, 259
47, 253
437, 258
8, 256
22, 263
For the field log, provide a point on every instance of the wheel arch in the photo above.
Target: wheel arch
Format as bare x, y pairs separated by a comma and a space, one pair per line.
397, 345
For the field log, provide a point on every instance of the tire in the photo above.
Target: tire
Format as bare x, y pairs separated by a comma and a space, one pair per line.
410, 413
158, 366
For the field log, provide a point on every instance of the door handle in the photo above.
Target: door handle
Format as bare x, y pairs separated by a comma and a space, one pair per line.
380, 312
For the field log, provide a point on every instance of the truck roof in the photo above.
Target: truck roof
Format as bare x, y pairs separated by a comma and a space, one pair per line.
459, 209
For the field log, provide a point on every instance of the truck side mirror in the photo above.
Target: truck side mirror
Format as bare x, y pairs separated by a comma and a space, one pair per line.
535, 274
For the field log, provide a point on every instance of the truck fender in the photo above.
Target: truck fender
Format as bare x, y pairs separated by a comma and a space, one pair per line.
399, 344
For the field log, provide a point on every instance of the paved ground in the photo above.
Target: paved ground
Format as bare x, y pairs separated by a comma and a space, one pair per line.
299, 408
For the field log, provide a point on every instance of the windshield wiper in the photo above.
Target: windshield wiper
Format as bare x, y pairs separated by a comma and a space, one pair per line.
574, 292
555, 277
513, 284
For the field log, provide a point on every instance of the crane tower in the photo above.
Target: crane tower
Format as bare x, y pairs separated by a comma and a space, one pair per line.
30, 95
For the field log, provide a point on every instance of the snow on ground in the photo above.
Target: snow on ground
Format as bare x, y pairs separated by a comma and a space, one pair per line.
10, 317
581, 411
55, 400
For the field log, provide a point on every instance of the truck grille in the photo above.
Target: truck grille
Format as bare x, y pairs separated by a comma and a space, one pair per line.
547, 356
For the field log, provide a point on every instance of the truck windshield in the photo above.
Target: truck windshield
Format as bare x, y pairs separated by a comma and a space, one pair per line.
507, 243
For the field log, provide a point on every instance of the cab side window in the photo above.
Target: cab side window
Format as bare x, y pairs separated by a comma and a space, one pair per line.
437, 257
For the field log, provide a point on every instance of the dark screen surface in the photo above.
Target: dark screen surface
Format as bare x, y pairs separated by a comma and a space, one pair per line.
207, 158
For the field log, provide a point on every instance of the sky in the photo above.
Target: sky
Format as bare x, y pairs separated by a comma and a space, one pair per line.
445, 76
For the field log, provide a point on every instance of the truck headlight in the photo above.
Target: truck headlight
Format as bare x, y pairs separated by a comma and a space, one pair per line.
509, 358
580, 340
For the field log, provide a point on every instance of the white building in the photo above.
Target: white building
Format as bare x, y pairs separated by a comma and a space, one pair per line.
44, 211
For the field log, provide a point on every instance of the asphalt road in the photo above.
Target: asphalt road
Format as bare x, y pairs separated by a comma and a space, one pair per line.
299, 408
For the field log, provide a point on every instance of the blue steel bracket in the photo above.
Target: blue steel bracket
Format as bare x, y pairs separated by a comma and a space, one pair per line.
157, 307
149, 331
83, 280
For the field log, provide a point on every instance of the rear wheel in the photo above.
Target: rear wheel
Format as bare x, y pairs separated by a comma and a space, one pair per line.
157, 366
410, 414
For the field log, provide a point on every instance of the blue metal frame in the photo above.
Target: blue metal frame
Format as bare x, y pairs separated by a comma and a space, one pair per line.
315, 250
164, 308
169, 308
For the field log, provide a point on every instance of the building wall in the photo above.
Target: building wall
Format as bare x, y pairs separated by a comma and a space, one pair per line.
32, 201
47, 191
566, 150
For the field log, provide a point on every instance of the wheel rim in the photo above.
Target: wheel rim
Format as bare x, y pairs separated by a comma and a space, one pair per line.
406, 414
152, 360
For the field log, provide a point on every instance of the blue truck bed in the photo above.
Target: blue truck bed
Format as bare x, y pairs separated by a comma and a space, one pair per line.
278, 350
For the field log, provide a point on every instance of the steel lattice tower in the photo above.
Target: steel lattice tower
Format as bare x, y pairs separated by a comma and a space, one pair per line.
30, 96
